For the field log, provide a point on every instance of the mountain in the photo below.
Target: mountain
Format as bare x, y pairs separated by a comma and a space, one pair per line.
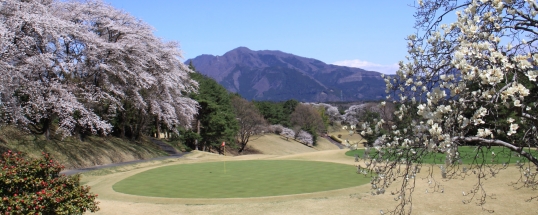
278, 76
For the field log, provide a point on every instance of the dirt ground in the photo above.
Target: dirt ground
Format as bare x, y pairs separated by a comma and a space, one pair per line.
355, 200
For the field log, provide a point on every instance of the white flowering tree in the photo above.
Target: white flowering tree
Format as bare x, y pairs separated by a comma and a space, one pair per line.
353, 114
40, 61
361, 112
137, 68
329, 111
469, 82
85, 64
305, 138
287, 133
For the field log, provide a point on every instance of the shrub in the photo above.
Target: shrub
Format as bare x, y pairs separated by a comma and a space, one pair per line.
36, 187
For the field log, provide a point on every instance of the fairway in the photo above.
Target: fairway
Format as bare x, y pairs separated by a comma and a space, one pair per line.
242, 179
467, 154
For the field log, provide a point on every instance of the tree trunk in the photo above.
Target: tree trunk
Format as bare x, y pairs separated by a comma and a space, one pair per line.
78, 132
121, 125
46, 128
122, 131
197, 131
140, 126
158, 128
242, 148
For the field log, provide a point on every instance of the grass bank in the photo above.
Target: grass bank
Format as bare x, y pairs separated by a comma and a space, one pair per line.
75, 153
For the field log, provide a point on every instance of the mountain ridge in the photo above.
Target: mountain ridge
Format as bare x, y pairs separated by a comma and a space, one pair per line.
275, 75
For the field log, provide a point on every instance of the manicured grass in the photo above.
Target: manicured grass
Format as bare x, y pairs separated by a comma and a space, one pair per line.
467, 154
242, 179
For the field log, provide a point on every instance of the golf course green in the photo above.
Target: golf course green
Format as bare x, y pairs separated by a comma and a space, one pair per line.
241, 179
492, 155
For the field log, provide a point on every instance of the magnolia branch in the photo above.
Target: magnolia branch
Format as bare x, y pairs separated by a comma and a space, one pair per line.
483, 141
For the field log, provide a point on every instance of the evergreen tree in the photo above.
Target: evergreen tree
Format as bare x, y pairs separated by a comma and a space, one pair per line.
217, 121
277, 112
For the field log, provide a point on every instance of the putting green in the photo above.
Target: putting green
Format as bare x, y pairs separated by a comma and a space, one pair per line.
242, 179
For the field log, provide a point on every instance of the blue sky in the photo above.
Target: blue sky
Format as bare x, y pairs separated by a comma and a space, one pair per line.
361, 33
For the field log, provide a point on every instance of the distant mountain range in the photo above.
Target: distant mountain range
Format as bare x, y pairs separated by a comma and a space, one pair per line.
278, 76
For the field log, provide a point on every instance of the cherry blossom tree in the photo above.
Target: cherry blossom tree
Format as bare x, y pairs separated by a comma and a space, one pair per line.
86, 64
467, 82
287, 133
354, 113
357, 113
136, 67
330, 111
305, 138
38, 70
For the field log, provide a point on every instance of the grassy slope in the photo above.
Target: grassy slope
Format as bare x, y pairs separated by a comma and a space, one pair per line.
324, 144
95, 150
73, 153
272, 144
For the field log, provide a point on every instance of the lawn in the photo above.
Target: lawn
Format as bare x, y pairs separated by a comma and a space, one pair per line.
467, 153
241, 179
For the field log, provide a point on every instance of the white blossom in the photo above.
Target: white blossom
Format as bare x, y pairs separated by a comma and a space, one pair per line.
304, 137
288, 133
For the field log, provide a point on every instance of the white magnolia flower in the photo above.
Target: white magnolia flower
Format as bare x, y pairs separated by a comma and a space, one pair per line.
517, 103
531, 74
435, 130
483, 132
513, 128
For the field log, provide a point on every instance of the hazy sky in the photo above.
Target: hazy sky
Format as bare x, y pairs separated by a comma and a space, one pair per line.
365, 33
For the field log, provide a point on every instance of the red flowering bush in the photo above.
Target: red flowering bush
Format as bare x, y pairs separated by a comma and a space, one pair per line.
36, 187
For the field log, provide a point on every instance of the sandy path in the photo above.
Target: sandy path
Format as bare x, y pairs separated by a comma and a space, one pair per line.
345, 201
